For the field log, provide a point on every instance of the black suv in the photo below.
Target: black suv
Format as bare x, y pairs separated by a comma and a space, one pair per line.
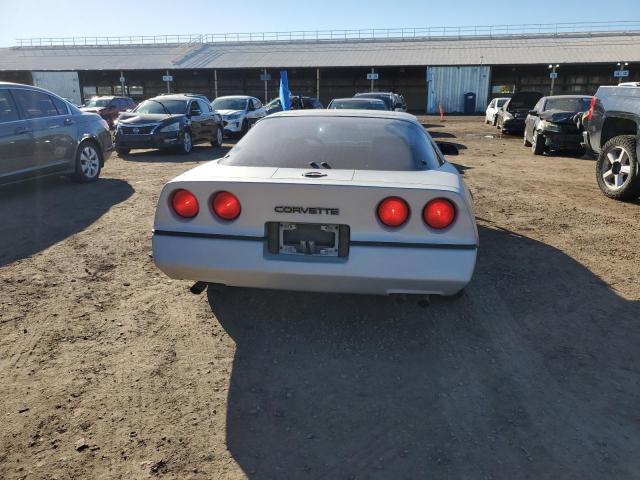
42, 134
612, 131
169, 121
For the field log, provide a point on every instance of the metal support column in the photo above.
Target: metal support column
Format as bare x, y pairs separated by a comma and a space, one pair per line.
215, 84
266, 86
318, 83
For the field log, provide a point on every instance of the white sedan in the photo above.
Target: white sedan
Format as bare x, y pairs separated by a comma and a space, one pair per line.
351, 201
495, 105
239, 113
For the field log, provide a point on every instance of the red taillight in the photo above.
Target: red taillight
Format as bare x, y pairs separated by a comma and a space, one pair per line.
226, 205
592, 107
393, 211
439, 213
184, 203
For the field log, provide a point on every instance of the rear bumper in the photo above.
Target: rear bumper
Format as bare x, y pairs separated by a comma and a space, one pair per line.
369, 269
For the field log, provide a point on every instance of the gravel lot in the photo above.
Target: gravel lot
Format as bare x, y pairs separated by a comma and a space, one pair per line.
109, 370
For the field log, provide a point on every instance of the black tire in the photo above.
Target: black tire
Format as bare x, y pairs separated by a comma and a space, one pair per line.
88, 162
630, 188
579, 152
525, 141
217, 138
495, 121
187, 143
122, 151
537, 145
245, 128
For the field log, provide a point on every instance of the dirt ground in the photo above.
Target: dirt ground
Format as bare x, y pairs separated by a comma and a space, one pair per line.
109, 370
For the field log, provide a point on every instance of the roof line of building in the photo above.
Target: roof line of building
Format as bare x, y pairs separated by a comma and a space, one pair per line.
529, 30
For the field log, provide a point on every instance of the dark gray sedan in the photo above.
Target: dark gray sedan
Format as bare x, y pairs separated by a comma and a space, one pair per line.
42, 134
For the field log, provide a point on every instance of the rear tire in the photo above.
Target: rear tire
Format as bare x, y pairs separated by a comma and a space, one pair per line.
525, 142
617, 170
580, 152
495, 121
88, 162
217, 139
122, 151
245, 128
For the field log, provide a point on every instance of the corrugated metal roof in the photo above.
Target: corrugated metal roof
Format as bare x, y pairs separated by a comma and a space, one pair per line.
562, 49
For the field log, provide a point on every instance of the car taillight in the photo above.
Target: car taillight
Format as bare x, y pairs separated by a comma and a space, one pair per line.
439, 213
592, 107
393, 211
226, 205
184, 203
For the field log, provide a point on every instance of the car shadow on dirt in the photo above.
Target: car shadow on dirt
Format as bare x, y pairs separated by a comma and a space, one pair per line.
533, 373
199, 153
37, 214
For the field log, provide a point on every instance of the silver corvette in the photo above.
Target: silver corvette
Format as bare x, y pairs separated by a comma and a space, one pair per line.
348, 201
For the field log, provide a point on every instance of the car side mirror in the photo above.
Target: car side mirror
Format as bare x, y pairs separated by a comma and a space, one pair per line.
533, 112
447, 148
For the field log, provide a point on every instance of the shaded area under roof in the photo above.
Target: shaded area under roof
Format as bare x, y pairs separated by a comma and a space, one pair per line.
576, 48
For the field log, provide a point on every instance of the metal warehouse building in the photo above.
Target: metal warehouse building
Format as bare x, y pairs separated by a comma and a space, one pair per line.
431, 67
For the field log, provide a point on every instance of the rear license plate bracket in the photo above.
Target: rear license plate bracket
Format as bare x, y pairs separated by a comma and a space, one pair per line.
308, 239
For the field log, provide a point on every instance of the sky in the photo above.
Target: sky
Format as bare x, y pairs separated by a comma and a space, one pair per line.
66, 18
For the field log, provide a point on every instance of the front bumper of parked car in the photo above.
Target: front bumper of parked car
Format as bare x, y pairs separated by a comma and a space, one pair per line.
153, 138
513, 124
232, 125
562, 140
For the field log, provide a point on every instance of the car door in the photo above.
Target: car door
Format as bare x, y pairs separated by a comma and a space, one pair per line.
195, 118
491, 109
53, 128
531, 121
16, 141
258, 110
208, 122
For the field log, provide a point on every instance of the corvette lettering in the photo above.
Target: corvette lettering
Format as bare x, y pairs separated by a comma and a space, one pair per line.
308, 210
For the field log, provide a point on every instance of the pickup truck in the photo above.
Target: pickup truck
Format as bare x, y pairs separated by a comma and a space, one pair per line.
612, 132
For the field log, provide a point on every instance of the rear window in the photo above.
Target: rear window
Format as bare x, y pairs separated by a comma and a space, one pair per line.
501, 102
342, 142
388, 101
372, 104
569, 104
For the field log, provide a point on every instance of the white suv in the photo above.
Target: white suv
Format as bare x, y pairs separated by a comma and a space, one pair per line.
239, 113
495, 105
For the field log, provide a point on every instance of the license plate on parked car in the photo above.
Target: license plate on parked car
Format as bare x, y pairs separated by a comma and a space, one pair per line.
310, 239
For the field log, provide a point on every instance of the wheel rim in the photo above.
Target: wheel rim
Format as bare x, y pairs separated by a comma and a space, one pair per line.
187, 142
616, 168
219, 137
89, 162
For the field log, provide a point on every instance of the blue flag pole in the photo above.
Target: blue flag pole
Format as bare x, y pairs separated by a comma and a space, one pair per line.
285, 98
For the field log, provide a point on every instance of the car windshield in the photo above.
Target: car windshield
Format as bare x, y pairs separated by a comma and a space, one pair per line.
159, 106
569, 104
359, 143
98, 102
229, 104
524, 100
388, 101
355, 104
501, 102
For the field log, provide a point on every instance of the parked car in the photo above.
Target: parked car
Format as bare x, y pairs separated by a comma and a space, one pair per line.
109, 107
357, 104
553, 124
42, 134
322, 200
393, 101
612, 128
297, 103
512, 115
239, 113
169, 121
492, 109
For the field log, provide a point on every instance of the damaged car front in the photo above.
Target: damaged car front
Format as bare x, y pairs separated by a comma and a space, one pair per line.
555, 124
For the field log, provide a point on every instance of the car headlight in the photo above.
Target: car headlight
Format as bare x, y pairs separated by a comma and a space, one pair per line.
172, 127
234, 116
548, 126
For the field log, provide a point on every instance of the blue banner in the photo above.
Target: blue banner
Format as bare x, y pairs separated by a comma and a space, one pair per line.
285, 94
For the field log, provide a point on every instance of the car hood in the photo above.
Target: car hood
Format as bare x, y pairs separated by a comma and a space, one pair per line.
132, 118
559, 116
226, 113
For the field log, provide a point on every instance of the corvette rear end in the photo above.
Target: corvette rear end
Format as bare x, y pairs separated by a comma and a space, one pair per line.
254, 219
